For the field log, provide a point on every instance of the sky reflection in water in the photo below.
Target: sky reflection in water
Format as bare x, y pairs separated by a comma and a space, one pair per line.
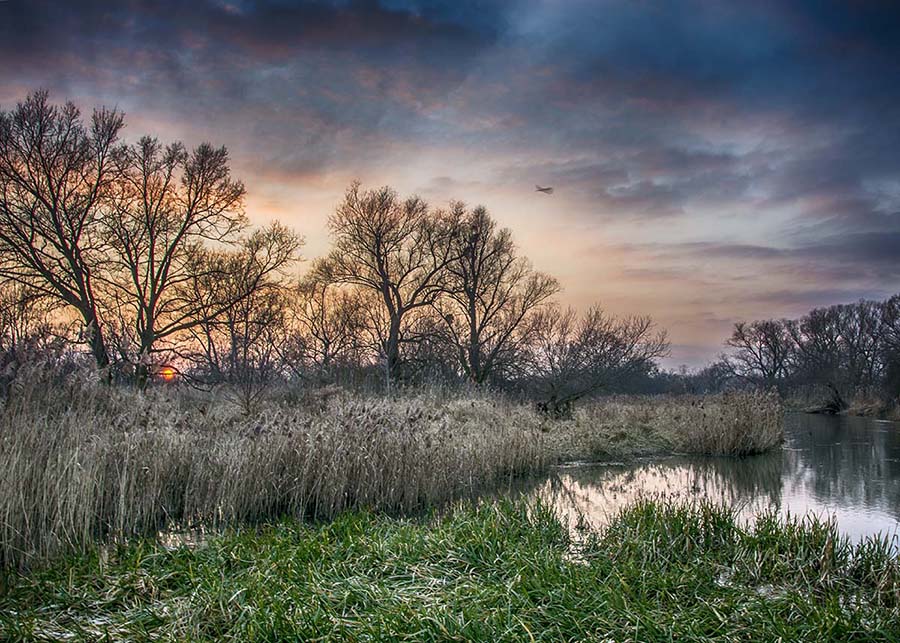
844, 468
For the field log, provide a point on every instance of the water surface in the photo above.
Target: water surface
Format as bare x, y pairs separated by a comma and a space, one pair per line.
843, 468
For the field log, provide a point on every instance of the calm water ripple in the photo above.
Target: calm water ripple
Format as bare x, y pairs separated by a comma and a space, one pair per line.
843, 468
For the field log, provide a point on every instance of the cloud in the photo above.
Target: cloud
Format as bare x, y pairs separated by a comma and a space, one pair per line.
725, 149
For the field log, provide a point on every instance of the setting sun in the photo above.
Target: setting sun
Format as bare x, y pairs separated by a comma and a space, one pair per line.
167, 373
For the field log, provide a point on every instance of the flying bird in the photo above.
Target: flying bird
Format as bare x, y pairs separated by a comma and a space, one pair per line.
544, 190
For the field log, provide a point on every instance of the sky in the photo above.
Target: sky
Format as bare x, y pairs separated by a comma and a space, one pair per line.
712, 161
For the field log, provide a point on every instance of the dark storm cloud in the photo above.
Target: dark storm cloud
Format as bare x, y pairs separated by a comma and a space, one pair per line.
265, 28
772, 105
861, 247
866, 263
693, 75
293, 75
229, 49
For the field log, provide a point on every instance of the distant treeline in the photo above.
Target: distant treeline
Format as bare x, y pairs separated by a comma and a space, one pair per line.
137, 257
844, 351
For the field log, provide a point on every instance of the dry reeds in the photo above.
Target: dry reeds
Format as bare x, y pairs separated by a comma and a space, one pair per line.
739, 423
91, 462
84, 462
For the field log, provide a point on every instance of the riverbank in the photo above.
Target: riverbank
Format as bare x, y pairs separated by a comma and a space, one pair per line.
874, 409
495, 571
82, 463
857, 407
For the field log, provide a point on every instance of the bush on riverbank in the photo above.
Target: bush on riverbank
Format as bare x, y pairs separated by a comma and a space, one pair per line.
82, 462
500, 572
815, 400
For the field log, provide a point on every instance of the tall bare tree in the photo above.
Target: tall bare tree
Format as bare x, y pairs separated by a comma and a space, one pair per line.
169, 203
24, 314
890, 323
55, 176
397, 249
818, 348
491, 294
330, 320
239, 302
890, 333
860, 327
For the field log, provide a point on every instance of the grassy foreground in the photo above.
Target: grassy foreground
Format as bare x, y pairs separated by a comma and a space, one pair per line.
498, 572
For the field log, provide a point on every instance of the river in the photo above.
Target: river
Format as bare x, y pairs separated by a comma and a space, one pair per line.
843, 468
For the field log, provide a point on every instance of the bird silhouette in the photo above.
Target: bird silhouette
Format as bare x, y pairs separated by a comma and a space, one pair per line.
538, 188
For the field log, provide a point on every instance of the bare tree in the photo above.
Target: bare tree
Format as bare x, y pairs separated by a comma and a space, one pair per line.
715, 377
817, 341
24, 314
168, 205
243, 323
817, 347
890, 348
574, 357
841, 348
491, 293
55, 176
396, 249
331, 322
764, 350
230, 281
848, 349
860, 328
428, 355
30, 334
890, 324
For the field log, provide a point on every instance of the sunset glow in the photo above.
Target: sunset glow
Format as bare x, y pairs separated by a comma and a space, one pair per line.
711, 162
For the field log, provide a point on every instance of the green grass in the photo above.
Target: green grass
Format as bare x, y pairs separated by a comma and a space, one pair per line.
495, 571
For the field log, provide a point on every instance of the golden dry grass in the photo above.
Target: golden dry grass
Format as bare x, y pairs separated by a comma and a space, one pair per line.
83, 462
740, 423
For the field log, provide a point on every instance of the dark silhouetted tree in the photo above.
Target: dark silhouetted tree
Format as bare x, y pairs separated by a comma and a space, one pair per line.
169, 204
330, 320
763, 351
491, 296
243, 303
56, 173
574, 356
397, 249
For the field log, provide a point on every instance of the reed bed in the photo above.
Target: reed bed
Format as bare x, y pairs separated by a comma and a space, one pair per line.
487, 571
82, 462
736, 424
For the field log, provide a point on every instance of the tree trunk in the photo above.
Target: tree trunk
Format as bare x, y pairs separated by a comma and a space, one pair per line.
142, 368
95, 339
836, 403
392, 351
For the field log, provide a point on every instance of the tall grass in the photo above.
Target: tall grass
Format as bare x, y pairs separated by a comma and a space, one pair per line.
82, 462
740, 423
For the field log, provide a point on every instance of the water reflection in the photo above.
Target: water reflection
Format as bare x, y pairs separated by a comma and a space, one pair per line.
845, 468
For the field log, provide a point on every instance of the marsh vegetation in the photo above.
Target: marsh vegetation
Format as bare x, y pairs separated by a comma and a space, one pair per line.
165, 368
86, 463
